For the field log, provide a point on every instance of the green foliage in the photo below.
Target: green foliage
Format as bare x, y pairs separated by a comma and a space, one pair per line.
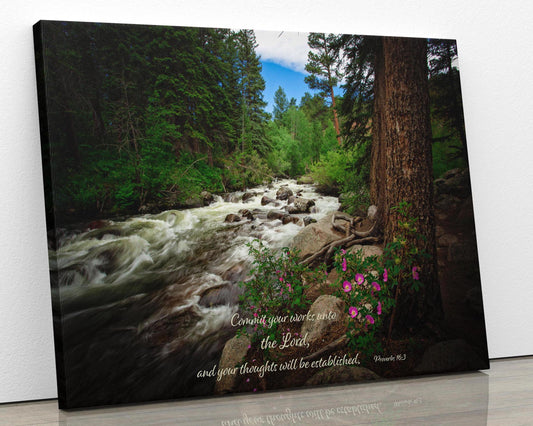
275, 290
297, 142
243, 170
447, 150
148, 115
191, 175
323, 63
369, 285
345, 170
281, 104
367, 298
402, 256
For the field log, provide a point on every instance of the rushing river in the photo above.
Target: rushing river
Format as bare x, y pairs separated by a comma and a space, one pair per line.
146, 302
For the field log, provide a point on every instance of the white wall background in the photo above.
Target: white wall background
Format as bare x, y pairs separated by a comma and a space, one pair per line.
495, 41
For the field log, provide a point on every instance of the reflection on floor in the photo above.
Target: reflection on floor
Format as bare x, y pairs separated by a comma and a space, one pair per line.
502, 395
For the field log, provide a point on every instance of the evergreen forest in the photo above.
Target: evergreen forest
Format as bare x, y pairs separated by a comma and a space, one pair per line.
145, 118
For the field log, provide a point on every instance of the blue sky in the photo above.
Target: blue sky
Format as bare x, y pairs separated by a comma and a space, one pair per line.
292, 81
283, 56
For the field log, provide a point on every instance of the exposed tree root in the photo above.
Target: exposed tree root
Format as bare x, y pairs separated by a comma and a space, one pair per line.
351, 238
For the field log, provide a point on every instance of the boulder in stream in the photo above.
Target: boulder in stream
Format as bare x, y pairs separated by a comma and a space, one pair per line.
290, 219
230, 197
207, 197
275, 214
309, 220
267, 200
284, 193
303, 205
331, 311
247, 196
232, 218
233, 353
247, 214
315, 236
224, 294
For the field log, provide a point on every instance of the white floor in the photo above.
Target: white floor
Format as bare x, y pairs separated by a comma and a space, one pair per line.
502, 395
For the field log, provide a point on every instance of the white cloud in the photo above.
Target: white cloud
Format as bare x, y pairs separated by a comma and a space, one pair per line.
285, 48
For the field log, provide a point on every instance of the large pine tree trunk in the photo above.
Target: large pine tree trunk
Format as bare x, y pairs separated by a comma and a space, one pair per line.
377, 169
335, 117
408, 159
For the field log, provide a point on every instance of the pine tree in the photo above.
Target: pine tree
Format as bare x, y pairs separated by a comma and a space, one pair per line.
281, 104
323, 65
408, 168
251, 85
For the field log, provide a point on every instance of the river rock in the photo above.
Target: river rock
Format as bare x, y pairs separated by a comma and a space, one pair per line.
290, 219
372, 212
230, 197
450, 355
340, 374
309, 220
221, 295
291, 199
319, 330
233, 353
232, 218
303, 205
247, 196
313, 237
275, 214
266, 200
284, 193
291, 209
234, 273
193, 202
367, 251
207, 197
167, 328
247, 214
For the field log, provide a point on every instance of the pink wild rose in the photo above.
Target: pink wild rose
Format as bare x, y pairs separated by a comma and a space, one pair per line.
415, 273
347, 286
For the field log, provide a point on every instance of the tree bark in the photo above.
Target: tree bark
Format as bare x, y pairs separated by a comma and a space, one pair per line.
378, 176
335, 117
407, 140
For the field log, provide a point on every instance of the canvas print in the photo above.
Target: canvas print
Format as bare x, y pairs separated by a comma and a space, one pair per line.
242, 211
